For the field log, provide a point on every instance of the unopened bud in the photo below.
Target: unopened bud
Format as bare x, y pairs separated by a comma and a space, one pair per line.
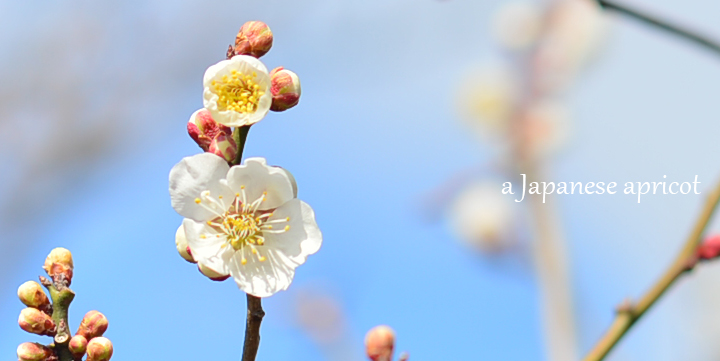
35, 321
379, 343
32, 351
211, 136
254, 38
78, 346
99, 349
285, 89
212, 274
182, 245
32, 295
709, 249
59, 265
94, 324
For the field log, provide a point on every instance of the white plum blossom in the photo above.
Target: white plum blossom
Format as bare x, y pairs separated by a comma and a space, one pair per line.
244, 221
237, 91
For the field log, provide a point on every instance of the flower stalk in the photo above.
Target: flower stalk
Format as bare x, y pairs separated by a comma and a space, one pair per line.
628, 312
255, 315
61, 299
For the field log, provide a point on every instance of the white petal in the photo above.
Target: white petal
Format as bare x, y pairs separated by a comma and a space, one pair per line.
257, 177
182, 245
302, 239
262, 279
212, 251
194, 175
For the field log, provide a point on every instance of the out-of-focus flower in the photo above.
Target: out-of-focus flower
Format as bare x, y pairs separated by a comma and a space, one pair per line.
516, 25
573, 32
487, 99
94, 324
482, 216
321, 316
211, 136
59, 265
31, 351
709, 248
99, 349
78, 346
543, 127
254, 39
380, 343
35, 321
182, 245
285, 89
244, 221
32, 295
237, 91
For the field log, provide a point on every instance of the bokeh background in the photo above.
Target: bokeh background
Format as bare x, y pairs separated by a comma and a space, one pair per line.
94, 100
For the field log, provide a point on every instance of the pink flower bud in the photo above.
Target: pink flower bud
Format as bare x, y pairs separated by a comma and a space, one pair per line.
35, 321
254, 39
379, 343
59, 265
94, 324
32, 295
211, 136
710, 248
99, 349
78, 346
182, 245
31, 351
212, 274
285, 89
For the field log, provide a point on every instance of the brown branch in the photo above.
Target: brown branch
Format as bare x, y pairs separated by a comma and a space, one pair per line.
255, 315
686, 34
628, 313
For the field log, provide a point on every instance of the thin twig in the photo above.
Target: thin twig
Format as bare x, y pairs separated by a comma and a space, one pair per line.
698, 39
255, 315
628, 313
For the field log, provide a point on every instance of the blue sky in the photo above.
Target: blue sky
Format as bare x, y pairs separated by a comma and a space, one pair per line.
374, 132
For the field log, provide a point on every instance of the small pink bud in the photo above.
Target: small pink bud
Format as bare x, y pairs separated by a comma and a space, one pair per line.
379, 343
31, 351
59, 265
285, 89
710, 248
99, 349
211, 136
32, 295
94, 324
212, 274
78, 346
35, 321
182, 245
254, 38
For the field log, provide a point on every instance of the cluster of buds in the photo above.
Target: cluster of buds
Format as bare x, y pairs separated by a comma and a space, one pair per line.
48, 317
380, 344
239, 92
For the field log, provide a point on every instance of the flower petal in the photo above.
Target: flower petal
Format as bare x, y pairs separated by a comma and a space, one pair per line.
255, 177
208, 246
262, 279
194, 175
302, 239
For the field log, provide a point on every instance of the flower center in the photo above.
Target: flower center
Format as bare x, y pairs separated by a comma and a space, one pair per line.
242, 224
238, 92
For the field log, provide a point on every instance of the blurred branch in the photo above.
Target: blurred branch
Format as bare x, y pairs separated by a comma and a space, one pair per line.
628, 313
662, 24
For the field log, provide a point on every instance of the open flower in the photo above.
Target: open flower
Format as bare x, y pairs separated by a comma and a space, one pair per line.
244, 221
237, 91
